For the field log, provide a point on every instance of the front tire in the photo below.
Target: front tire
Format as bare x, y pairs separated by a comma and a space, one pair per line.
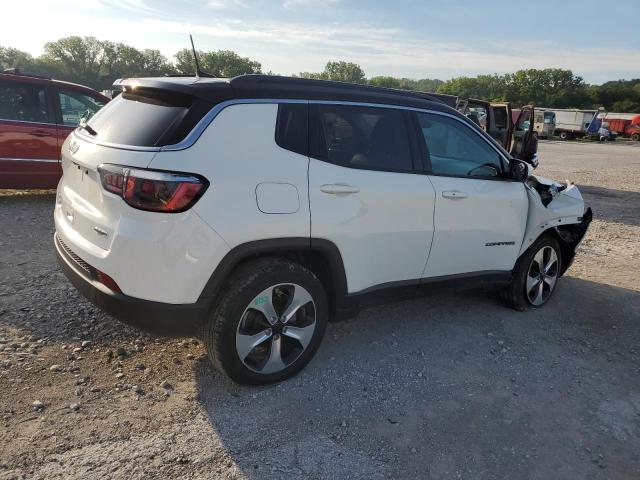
535, 275
269, 322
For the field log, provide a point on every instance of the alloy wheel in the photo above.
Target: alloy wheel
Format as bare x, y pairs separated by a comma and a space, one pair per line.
276, 328
542, 276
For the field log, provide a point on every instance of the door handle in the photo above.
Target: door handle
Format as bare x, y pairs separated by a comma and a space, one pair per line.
40, 133
339, 189
454, 194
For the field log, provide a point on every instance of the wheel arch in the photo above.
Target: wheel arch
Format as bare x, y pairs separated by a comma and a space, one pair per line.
319, 255
568, 237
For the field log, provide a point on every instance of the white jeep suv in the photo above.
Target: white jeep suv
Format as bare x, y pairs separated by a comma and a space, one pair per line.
253, 210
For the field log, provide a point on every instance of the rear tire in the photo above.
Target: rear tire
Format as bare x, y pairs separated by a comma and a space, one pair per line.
535, 276
564, 136
635, 137
247, 335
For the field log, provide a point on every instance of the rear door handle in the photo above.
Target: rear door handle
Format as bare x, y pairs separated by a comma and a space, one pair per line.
40, 133
339, 189
454, 194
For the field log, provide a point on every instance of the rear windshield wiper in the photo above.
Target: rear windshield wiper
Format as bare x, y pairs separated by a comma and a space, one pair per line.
88, 128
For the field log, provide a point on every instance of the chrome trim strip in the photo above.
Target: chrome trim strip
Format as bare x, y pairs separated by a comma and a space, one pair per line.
41, 160
87, 138
30, 123
202, 125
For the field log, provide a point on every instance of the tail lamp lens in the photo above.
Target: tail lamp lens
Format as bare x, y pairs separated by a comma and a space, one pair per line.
152, 190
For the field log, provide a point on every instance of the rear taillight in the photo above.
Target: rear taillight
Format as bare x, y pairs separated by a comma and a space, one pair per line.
153, 190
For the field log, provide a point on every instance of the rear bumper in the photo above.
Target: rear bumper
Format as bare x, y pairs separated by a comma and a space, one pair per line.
155, 317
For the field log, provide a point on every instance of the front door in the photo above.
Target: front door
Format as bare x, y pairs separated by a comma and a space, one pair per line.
29, 153
480, 215
366, 195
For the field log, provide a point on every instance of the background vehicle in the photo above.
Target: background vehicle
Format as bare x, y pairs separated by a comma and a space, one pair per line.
571, 123
253, 210
622, 124
36, 116
544, 123
501, 122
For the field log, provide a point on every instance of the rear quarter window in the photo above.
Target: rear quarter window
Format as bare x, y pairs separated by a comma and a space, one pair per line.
292, 127
148, 118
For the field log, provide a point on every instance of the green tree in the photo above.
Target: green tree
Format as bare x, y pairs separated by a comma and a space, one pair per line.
221, 63
345, 72
339, 71
79, 58
387, 82
618, 95
547, 87
14, 58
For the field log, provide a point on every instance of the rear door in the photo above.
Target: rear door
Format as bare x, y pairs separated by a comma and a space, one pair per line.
480, 215
29, 152
366, 194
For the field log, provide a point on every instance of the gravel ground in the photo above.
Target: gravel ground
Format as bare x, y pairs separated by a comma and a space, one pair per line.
452, 385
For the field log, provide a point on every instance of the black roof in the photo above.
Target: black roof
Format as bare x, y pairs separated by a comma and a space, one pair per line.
271, 86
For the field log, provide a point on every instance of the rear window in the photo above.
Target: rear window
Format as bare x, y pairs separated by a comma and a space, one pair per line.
148, 118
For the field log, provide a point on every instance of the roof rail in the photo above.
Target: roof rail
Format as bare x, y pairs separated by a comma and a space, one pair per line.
16, 71
260, 78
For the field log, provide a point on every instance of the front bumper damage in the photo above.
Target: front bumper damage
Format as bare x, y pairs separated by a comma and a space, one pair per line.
571, 236
557, 208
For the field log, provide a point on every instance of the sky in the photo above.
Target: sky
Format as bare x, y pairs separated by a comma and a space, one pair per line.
599, 41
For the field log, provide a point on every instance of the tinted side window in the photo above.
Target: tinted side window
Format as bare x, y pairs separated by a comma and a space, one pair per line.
23, 102
76, 105
362, 137
454, 149
292, 127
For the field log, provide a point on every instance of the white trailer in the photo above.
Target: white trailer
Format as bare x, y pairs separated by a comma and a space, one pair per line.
571, 122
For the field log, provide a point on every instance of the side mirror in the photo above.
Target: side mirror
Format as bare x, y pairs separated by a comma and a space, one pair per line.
518, 170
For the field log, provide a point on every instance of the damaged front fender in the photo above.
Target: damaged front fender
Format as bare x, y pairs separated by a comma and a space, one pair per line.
559, 209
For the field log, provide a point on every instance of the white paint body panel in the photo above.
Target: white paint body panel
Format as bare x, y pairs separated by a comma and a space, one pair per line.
383, 231
487, 211
152, 256
236, 153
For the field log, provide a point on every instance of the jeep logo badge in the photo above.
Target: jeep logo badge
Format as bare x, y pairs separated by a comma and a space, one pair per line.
74, 147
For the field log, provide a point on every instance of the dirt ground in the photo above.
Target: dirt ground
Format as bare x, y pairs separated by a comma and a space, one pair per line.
453, 385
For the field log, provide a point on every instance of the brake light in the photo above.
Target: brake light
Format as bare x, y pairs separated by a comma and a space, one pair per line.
153, 190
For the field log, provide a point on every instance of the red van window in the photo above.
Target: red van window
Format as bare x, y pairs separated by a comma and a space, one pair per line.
23, 102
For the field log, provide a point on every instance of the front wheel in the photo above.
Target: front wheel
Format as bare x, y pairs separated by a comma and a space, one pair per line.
269, 322
535, 275
635, 137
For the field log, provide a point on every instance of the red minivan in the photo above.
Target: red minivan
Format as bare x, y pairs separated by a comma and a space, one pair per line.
36, 115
